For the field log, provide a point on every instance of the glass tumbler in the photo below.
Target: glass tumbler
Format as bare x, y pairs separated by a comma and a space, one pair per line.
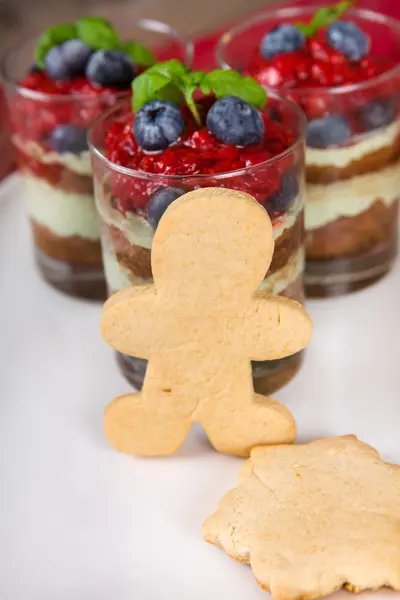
353, 187
122, 196
59, 185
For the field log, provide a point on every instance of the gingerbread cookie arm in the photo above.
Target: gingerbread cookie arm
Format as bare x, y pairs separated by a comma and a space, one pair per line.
276, 327
122, 311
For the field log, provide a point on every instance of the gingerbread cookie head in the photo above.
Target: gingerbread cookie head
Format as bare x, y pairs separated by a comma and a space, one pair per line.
313, 518
199, 326
226, 247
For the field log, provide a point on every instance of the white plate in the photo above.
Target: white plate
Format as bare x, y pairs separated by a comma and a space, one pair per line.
79, 521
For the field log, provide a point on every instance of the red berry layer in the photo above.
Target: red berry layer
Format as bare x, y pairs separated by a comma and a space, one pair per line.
197, 152
316, 67
35, 117
41, 82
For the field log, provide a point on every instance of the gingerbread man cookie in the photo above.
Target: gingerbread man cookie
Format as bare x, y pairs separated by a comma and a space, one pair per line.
313, 518
199, 326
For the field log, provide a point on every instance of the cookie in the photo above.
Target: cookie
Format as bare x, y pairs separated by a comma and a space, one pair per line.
313, 518
199, 326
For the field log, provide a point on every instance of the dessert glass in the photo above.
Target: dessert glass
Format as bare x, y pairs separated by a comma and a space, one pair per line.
353, 188
127, 235
59, 186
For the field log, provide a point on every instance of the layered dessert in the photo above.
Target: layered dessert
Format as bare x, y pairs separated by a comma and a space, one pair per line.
79, 70
147, 157
333, 67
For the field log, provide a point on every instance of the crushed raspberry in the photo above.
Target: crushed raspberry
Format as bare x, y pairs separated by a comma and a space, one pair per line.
198, 152
34, 118
41, 82
317, 66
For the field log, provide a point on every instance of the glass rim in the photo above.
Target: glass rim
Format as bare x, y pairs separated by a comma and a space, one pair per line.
300, 139
295, 11
153, 25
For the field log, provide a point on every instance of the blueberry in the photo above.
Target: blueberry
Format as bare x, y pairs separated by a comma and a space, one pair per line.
159, 203
68, 138
234, 121
348, 38
282, 39
76, 54
327, 131
110, 68
157, 125
68, 60
55, 65
281, 200
378, 114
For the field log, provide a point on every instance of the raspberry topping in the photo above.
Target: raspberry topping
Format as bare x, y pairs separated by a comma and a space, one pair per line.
88, 64
315, 65
40, 81
197, 152
34, 119
331, 59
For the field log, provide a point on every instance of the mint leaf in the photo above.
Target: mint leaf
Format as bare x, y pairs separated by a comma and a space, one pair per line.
95, 21
153, 86
324, 17
188, 84
194, 78
306, 29
170, 68
171, 79
98, 33
140, 55
327, 15
162, 81
231, 83
52, 37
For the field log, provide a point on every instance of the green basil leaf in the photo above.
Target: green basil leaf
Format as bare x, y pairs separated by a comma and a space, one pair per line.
231, 83
98, 33
52, 37
140, 55
153, 86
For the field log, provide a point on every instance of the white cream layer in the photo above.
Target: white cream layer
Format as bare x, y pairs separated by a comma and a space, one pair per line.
117, 276
345, 155
139, 233
281, 224
76, 163
136, 229
281, 279
65, 213
350, 197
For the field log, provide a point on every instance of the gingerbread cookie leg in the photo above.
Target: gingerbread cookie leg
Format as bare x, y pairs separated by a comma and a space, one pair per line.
133, 424
238, 419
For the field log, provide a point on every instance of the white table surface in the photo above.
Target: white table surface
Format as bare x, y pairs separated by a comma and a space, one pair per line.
79, 521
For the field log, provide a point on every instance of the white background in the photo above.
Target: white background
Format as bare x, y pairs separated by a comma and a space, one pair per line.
79, 521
